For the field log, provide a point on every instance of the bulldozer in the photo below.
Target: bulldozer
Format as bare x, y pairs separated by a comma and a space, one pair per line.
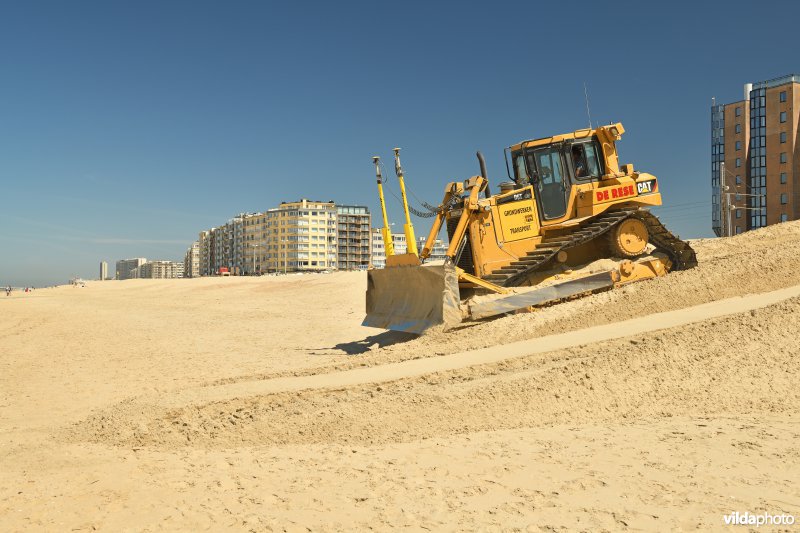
568, 204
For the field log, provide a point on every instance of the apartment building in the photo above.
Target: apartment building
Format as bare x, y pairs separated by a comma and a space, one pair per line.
307, 238
129, 268
399, 242
256, 232
206, 252
437, 252
227, 246
400, 247
378, 249
103, 271
161, 270
354, 248
755, 176
294, 237
191, 261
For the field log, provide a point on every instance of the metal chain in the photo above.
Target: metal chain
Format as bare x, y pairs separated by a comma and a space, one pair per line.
421, 214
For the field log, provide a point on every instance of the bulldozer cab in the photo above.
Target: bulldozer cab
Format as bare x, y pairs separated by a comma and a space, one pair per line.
554, 168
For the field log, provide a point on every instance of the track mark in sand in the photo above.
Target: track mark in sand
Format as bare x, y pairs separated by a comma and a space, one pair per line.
418, 367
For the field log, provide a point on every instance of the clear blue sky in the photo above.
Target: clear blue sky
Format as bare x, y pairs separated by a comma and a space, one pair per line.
126, 128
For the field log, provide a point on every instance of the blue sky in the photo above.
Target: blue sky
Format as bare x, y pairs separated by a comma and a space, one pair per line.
126, 128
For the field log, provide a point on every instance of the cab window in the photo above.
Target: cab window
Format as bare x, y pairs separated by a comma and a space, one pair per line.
548, 166
585, 161
519, 170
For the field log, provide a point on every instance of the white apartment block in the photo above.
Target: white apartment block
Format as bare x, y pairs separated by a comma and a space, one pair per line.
226, 246
191, 261
129, 268
206, 252
437, 252
378, 249
400, 247
161, 270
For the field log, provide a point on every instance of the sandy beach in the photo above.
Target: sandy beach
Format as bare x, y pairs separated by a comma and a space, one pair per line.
262, 404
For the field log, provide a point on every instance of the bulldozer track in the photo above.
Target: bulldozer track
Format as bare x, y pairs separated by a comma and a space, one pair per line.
680, 253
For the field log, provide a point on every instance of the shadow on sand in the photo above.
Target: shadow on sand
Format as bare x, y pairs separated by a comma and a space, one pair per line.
386, 338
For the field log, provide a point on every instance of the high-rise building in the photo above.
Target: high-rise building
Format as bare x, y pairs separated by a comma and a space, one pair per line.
161, 270
129, 268
206, 252
353, 247
755, 176
226, 246
378, 249
103, 271
257, 230
191, 261
307, 237
295, 237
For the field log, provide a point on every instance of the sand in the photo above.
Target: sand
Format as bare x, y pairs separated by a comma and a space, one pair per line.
262, 404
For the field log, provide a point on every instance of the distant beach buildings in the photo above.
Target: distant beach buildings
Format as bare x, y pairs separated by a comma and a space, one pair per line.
129, 268
400, 247
141, 268
302, 236
161, 270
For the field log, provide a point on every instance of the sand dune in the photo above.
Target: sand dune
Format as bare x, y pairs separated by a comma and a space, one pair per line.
262, 404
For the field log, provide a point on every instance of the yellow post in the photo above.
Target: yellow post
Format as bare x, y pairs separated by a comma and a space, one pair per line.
386, 231
407, 227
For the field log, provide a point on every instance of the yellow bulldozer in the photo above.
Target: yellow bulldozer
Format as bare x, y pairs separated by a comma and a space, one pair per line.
570, 221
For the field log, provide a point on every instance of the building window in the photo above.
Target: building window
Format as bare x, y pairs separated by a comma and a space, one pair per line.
783, 137
784, 217
738, 128
783, 116
783, 157
738, 180
738, 162
783, 198
738, 213
783, 96
783, 177
738, 111
738, 145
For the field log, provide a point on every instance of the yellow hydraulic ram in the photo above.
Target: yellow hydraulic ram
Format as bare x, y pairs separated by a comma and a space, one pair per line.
408, 229
386, 231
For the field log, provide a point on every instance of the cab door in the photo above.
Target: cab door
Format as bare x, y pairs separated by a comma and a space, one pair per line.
546, 165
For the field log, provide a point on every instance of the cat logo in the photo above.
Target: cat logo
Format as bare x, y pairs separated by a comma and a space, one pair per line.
646, 187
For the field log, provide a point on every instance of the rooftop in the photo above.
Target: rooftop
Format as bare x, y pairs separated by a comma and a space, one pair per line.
775, 82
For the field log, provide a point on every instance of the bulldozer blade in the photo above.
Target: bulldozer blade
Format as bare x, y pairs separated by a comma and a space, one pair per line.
412, 298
